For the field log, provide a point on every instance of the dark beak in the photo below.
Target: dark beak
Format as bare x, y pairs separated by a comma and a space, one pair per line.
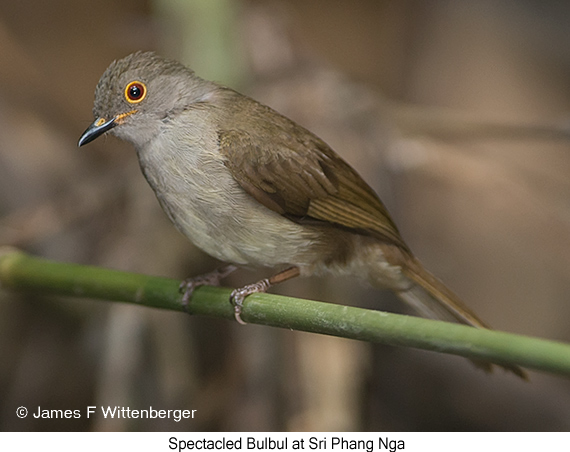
99, 127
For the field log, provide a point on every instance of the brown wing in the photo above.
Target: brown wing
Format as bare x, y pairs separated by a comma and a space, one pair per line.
291, 171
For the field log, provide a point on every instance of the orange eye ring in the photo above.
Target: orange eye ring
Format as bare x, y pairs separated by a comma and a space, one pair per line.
135, 92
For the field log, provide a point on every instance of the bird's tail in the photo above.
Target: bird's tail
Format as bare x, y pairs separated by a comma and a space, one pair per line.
431, 298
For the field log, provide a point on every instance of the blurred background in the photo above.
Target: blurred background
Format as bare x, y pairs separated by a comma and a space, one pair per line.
457, 113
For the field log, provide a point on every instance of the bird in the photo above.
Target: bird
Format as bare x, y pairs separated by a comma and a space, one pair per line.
250, 187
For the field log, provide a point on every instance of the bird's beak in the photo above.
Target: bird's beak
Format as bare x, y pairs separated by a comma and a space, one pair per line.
99, 127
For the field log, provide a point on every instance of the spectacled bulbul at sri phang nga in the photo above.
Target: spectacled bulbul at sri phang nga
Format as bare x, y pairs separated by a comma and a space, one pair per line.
251, 187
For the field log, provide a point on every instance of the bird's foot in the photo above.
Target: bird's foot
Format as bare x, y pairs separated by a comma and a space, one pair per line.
238, 296
213, 278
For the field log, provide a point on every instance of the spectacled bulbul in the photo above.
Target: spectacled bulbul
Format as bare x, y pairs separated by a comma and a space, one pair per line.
251, 187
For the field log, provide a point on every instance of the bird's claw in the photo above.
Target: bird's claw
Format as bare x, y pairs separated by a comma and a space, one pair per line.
189, 285
237, 296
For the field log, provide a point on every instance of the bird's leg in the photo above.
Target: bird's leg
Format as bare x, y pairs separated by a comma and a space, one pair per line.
213, 278
238, 295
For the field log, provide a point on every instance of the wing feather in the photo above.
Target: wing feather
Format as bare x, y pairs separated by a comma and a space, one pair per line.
294, 173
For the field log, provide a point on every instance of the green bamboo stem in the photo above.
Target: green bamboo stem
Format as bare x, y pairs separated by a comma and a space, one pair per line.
20, 271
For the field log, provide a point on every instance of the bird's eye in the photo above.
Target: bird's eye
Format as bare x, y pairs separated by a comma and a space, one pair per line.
135, 92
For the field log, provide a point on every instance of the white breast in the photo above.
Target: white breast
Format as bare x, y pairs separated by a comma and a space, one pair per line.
208, 206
